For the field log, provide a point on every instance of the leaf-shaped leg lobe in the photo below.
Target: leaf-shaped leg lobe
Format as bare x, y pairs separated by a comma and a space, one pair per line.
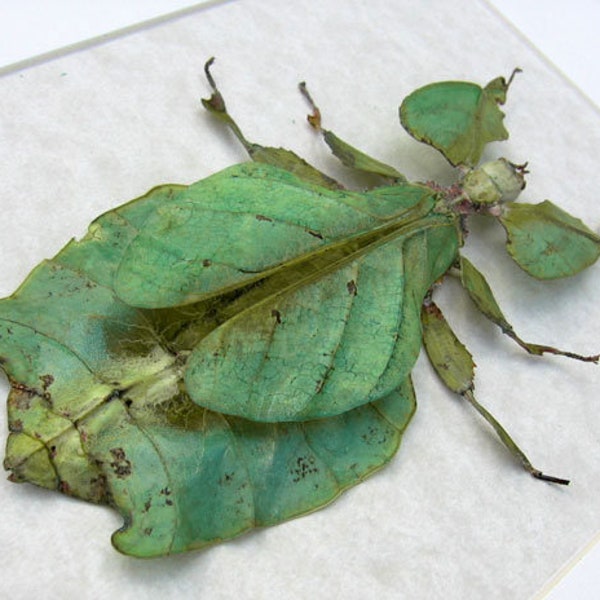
547, 242
278, 157
454, 365
481, 294
456, 117
348, 155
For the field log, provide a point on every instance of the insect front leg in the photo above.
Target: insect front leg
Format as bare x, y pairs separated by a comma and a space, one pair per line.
349, 155
277, 157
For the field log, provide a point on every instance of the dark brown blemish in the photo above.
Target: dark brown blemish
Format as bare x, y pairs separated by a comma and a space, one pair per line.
121, 465
167, 492
374, 436
206, 262
314, 233
65, 488
47, 381
263, 218
351, 287
305, 465
226, 478
277, 315
16, 426
98, 489
20, 396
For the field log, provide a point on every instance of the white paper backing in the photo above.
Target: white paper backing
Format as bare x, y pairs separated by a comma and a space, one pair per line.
451, 516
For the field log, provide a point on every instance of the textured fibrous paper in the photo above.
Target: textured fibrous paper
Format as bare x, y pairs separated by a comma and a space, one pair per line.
451, 516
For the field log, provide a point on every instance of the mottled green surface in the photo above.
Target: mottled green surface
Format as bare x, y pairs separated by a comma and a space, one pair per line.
451, 360
231, 354
547, 242
356, 159
101, 406
456, 117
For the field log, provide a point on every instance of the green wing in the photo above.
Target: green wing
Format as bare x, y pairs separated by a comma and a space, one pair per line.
233, 227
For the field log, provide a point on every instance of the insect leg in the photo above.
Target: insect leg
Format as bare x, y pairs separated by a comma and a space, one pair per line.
454, 365
347, 154
481, 294
277, 157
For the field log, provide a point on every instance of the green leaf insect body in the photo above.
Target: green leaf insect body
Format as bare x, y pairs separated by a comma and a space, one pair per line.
227, 355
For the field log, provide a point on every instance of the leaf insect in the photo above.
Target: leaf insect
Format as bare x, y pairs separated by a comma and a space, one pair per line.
231, 354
